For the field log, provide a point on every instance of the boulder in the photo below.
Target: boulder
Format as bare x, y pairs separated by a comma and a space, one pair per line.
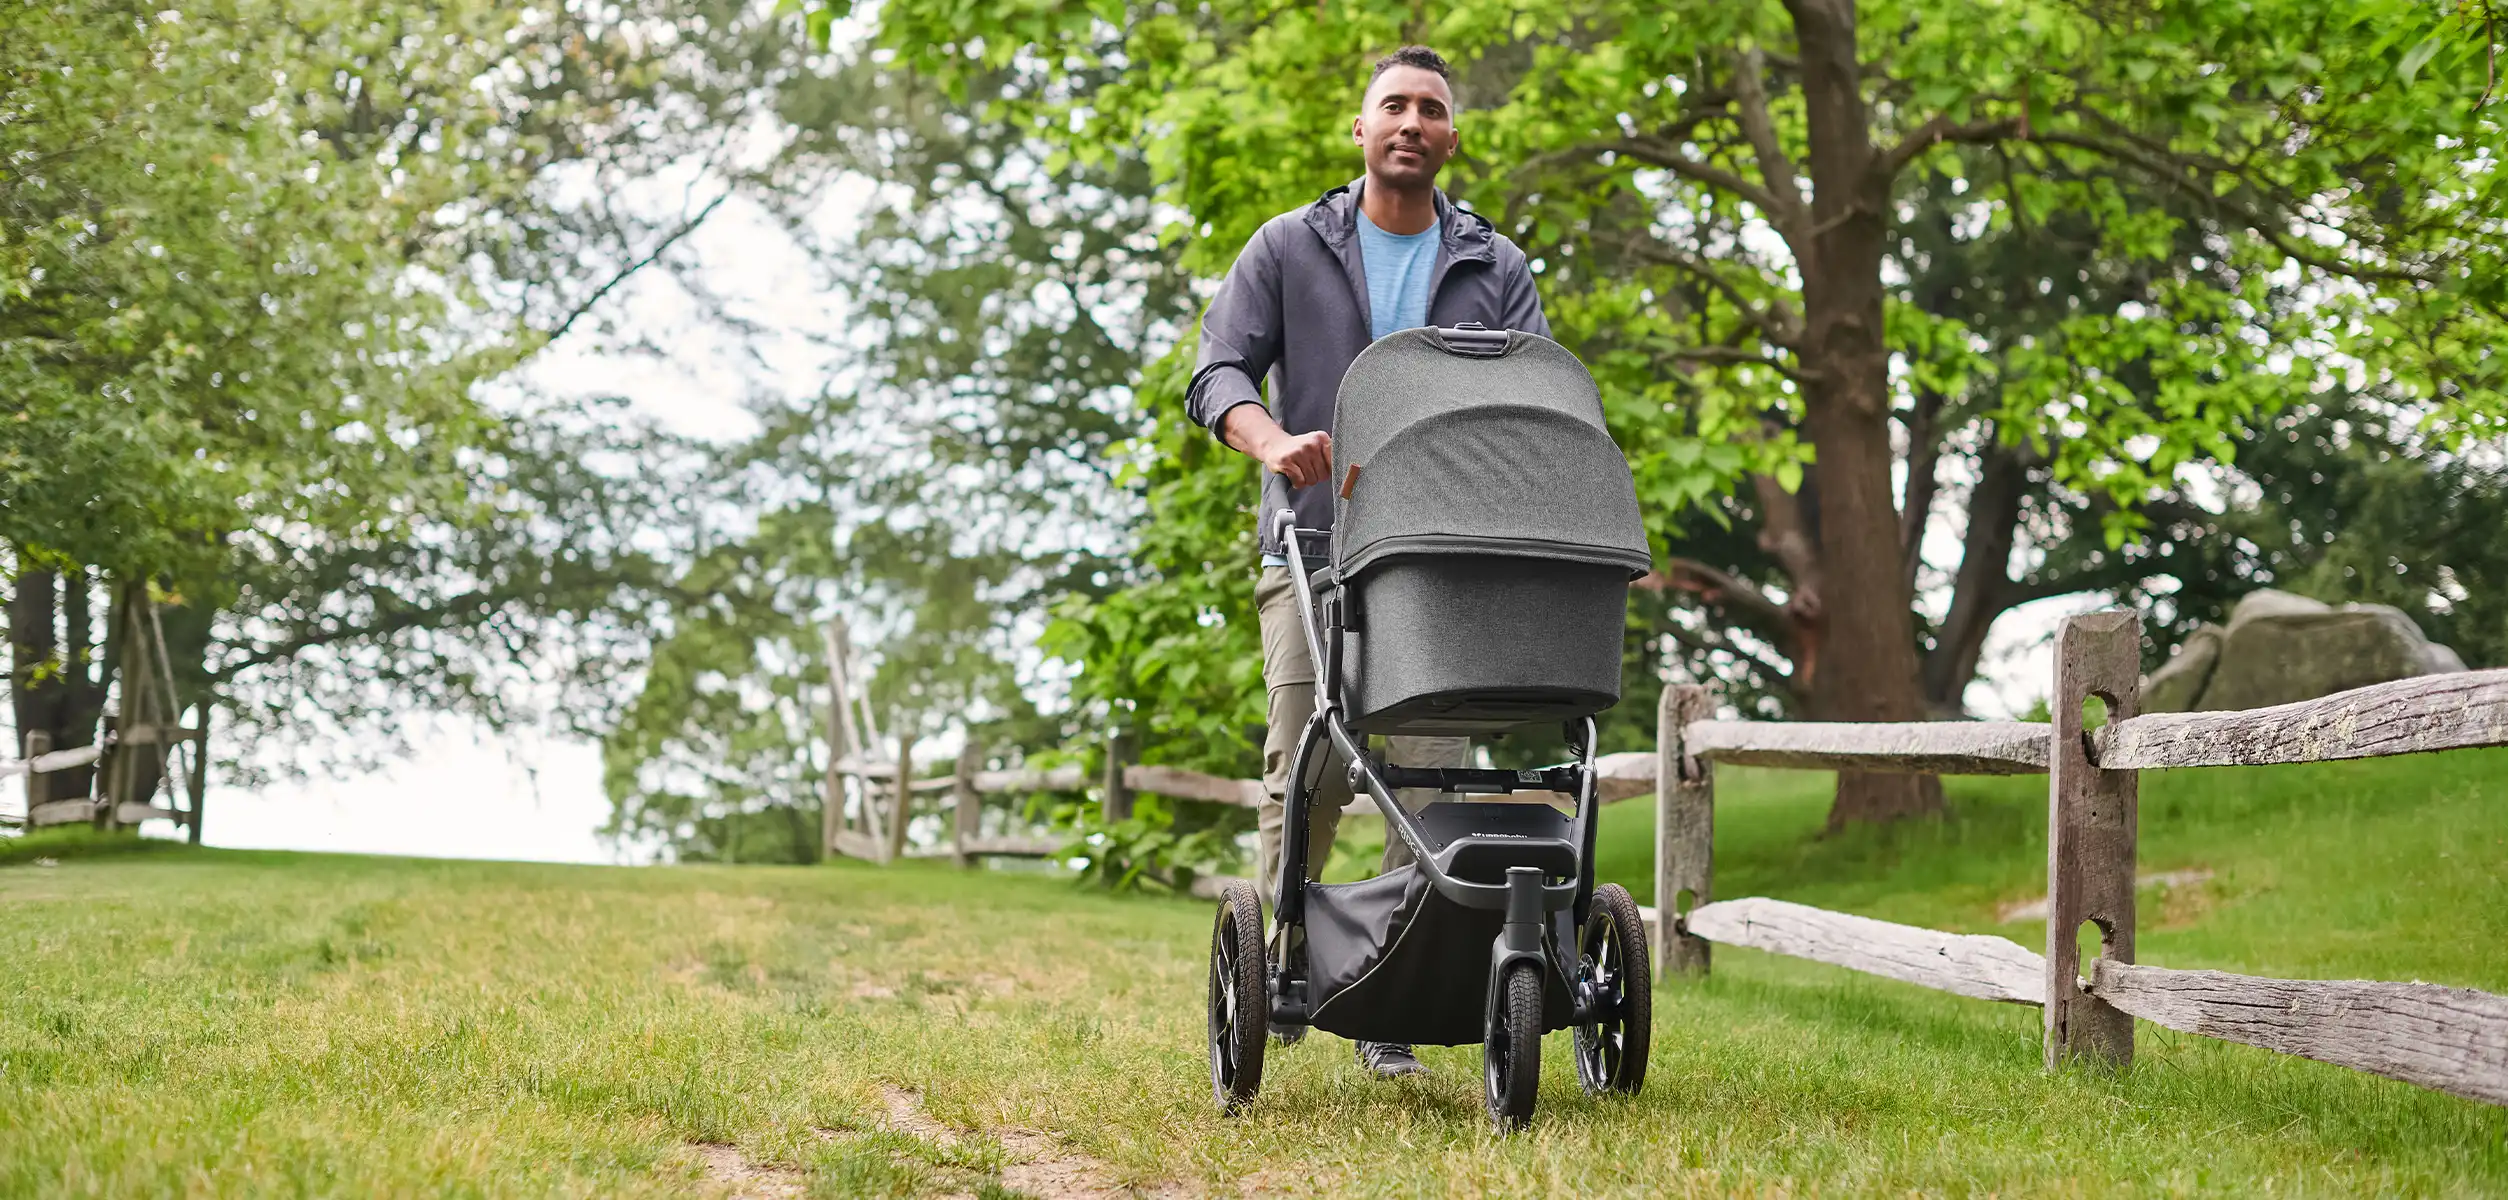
2179, 682
2279, 648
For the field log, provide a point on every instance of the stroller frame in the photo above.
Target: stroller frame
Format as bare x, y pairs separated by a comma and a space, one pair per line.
1556, 939
1525, 897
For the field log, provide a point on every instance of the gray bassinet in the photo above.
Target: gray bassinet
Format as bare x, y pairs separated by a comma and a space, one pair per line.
1485, 537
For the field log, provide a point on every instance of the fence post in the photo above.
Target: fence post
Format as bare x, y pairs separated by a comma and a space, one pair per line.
1685, 825
38, 783
843, 743
962, 793
198, 784
2091, 828
1117, 804
901, 808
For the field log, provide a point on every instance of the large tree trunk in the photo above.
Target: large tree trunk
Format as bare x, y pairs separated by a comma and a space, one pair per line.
88, 675
37, 691
1868, 669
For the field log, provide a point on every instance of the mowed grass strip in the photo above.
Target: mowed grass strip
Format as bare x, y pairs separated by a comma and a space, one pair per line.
228, 1023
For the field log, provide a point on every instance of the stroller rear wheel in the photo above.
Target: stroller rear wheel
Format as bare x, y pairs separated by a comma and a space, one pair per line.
1611, 1051
1511, 1060
1240, 1005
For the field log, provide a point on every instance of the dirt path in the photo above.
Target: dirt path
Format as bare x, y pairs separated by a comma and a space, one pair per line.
741, 1179
1043, 1167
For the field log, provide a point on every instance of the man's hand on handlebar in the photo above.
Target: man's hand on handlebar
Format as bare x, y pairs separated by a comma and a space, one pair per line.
1306, 458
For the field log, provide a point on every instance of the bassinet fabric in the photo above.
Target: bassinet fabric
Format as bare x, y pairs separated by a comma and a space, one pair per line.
1458, 452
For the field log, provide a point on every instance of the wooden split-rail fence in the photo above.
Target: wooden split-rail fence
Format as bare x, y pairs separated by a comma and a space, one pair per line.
869, 802
2451, 1039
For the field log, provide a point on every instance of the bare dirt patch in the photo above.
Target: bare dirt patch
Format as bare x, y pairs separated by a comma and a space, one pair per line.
1045, 1168
2171, 884
740, 1179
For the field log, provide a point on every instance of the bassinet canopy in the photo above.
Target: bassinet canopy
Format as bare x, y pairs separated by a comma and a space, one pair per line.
1481, 443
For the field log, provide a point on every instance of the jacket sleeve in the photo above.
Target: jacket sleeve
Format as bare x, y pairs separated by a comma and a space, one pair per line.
1521, 304
1240, 336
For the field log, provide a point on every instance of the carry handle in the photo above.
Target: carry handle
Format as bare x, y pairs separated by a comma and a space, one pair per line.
1472, 338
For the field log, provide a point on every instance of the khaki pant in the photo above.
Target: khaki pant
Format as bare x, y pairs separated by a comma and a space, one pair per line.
1289, 675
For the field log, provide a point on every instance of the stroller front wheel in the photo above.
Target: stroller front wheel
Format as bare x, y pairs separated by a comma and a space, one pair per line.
1511, 1059
1611, 950
1240, 1003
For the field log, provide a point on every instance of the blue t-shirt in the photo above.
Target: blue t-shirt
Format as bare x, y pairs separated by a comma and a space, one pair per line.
1398, 266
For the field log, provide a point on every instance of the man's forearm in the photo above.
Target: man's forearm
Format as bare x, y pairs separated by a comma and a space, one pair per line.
1306, 458
1249, 429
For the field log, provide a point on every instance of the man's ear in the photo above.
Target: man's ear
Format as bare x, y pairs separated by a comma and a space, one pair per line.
1357, 135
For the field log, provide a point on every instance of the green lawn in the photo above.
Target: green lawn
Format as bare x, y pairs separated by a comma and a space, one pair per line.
185, 1022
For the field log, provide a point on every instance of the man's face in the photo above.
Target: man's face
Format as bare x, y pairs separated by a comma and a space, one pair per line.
1406, 126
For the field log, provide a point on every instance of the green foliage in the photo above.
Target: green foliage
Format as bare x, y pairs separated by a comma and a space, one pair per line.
962, 481
224, 291
2191, 218
257, 259
1174, 647
1161, 844
722, 753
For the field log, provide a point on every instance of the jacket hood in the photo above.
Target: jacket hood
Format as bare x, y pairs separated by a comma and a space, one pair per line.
1465, 235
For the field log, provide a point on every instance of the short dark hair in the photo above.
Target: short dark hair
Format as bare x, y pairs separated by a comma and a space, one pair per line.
1412, 56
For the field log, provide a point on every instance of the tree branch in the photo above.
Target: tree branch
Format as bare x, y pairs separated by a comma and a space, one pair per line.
686, 227
1777, 321
428, 617
1941, 129
1749, 607
1924, 454
2201, 193
1750, 95
1744, 356
1657, 153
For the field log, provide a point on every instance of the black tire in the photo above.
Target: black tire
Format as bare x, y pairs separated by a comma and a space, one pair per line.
1511, 1059
1611, 951
1240, 1005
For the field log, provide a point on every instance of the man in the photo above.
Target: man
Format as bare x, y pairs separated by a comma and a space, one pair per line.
1309, 292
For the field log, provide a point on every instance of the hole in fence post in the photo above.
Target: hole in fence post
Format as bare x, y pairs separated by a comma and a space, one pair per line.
1683, 901
2093, 712
2090, 942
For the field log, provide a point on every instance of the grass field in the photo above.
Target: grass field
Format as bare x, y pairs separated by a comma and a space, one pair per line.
184, 1022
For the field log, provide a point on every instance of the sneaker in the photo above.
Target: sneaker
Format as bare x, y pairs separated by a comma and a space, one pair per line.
1389, 1060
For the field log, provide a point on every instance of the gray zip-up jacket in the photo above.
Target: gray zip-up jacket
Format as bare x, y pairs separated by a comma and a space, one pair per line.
1294, 310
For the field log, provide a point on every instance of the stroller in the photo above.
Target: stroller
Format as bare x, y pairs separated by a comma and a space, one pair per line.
1484, 538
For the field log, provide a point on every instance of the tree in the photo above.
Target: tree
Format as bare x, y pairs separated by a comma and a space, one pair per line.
954, 481
1719, 197
255, 258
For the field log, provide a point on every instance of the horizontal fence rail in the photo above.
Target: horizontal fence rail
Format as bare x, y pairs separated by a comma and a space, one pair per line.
1620, 777
2456, 711
1976, 965
1920, 747
2449, 1039
58, 760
